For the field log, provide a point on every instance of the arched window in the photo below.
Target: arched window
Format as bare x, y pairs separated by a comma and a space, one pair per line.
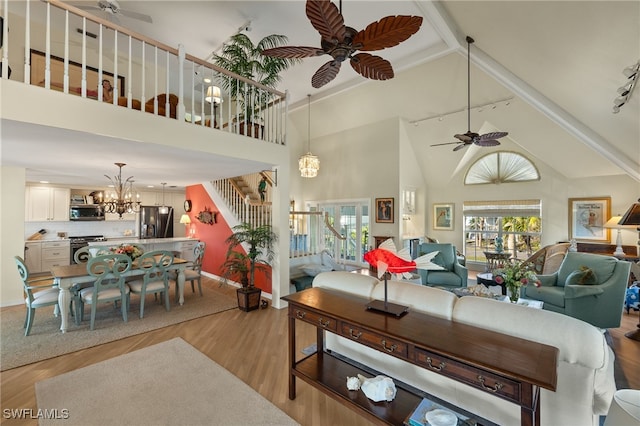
501, 167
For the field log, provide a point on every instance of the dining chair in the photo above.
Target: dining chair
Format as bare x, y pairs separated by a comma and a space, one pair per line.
193, 272
109, 286
40, 292
155, 280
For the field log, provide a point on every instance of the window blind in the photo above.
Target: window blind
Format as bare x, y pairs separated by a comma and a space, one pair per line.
502, 208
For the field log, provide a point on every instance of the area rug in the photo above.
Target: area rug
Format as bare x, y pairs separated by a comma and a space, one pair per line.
46, 341
170, 383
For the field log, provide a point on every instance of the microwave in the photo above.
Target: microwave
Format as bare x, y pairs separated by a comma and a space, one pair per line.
86, 212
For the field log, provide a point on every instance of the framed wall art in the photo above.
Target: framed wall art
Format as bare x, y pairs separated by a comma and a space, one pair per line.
384, 210
587, 217
443, 216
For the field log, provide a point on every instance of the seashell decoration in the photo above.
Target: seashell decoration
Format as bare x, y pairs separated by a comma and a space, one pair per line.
353, 383
379, 388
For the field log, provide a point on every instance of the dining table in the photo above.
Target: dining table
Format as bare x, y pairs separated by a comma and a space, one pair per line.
66, 276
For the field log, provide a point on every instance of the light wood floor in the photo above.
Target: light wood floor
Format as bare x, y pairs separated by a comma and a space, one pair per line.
252, 346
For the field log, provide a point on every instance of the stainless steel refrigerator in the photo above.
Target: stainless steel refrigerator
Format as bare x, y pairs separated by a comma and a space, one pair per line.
154, 224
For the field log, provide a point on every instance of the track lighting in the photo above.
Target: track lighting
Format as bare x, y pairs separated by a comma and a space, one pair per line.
625, 91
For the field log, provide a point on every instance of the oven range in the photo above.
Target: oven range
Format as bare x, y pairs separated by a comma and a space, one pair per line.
78, 242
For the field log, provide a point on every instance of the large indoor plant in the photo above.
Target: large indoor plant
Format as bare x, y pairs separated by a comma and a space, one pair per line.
258, 242
240, 56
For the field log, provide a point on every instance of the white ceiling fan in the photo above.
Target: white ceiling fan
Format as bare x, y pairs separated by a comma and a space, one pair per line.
111, 10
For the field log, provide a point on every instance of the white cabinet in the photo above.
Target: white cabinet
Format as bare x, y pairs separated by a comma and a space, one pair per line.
42, 256
44, 203
55, 253
33, 256
186, 249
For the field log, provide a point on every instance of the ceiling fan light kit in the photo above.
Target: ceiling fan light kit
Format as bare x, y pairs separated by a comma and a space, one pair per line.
472, 138
626, 90
342, 42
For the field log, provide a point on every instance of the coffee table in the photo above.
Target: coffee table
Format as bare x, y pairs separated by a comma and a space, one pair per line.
486, 279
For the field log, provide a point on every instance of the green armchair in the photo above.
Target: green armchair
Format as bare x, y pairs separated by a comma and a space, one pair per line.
590, 287
453, 274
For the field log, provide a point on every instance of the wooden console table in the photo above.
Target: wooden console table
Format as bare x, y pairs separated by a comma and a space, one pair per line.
458, 351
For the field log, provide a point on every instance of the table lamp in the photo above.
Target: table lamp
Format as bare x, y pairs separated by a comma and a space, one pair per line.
186, 220
632, 217
613, 223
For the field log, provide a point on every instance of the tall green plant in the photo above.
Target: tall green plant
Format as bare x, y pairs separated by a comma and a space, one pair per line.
240, 56
260, 241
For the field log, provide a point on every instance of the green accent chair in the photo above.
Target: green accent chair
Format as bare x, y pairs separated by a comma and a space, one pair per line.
155, 280
454, 274
595, 296
109, 286
40, 292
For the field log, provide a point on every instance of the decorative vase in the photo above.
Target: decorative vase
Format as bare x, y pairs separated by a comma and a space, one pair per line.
514, 293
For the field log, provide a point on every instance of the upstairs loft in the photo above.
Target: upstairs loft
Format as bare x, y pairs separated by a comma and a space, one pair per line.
159, 92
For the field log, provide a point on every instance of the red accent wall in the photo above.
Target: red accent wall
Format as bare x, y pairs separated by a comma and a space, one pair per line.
214, 235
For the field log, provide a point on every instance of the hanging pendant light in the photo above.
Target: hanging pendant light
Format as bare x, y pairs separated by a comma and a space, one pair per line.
309, 164
163, 208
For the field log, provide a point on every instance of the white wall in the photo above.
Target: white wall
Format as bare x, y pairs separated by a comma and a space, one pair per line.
11, 233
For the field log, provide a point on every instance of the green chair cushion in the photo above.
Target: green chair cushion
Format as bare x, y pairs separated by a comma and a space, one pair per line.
582, 276
549, 295
602, 266
443, 278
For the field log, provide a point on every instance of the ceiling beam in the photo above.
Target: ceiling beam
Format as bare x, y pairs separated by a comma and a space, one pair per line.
449, 31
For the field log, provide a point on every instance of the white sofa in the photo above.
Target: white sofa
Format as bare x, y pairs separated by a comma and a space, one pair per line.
585, 384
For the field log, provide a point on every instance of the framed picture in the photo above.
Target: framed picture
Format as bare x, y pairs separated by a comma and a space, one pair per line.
443, 216
38, 62
384, 210
587, 217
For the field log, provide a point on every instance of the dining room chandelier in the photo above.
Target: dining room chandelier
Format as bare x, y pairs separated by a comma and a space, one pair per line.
121, 199
309, 164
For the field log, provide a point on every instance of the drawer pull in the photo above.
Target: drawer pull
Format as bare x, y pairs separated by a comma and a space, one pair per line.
324, 324
438, 368
496, 387
390, 348
355, 336
300, 314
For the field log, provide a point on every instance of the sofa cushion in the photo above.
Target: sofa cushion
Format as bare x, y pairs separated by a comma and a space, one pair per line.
602, 266
349, 282
582, 276
444, 278
313, 269
430, 300
549, 295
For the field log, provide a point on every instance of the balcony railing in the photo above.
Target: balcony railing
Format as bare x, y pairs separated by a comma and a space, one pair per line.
67, 49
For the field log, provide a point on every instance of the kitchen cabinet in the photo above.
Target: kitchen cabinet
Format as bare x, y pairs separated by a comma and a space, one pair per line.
42, 256
186, 249
33, 257
44, 203
55, 253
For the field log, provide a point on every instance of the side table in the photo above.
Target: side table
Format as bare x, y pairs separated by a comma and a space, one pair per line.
495, 260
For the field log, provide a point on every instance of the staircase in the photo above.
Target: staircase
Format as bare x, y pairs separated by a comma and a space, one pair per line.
240, 193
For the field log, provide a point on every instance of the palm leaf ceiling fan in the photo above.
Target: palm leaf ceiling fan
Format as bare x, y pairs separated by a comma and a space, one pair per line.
342, 42
471, 138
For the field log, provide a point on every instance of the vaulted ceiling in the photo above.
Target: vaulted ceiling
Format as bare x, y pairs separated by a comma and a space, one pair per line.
557, 63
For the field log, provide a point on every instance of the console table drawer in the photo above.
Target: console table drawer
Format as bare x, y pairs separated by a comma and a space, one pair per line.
314, 318
374, 340
483, 380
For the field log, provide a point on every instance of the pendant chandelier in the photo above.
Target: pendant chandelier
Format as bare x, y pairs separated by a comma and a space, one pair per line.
309, 164
121, 201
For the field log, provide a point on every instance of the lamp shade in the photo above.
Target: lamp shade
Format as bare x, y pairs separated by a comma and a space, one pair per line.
613, 222
632, 216
213, 95
185, 219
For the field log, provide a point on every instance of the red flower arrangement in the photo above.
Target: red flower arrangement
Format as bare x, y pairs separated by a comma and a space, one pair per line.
515, 275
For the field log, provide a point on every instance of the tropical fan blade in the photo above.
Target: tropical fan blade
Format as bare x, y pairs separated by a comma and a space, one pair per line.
293, 52
326, 19
463, 138
446, 143
493, 135
373, 67
486, 142
459, 147
387, 32
325, 74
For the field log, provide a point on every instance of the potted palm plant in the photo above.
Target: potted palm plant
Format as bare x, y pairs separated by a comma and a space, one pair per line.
258, 242
240, 56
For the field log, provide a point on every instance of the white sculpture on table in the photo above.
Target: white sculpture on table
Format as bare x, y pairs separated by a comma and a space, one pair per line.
379, 388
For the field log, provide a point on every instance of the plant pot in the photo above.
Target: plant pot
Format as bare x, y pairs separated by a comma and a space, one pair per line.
248, 298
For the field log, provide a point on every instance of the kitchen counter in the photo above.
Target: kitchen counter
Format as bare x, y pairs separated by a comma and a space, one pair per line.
133, 240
